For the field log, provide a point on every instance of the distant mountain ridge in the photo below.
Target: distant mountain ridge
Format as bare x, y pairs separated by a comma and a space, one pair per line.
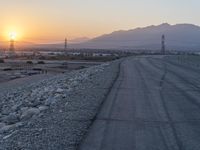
178, 37
79, 40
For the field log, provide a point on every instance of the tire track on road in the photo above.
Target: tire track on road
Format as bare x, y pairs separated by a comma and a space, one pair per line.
101, 105
153, 110
112, 105
188, 96
183, 79
174, 132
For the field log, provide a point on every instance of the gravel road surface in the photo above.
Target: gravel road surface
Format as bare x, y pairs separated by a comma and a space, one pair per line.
153, 105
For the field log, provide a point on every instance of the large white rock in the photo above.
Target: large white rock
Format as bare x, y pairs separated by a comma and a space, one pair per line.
50, 101
59, 90
43, 108
6, 128
27, 114
11, 118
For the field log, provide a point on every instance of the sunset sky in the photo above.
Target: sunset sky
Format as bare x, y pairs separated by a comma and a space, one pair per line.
44, 21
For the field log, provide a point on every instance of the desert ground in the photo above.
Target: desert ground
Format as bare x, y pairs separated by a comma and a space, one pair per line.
140, 102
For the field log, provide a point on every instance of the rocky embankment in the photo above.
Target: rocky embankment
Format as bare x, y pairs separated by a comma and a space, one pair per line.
54, 113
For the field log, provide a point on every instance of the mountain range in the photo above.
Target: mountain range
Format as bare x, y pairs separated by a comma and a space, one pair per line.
178, 37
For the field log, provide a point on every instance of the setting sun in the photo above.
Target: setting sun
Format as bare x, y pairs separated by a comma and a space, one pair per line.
13, 32
12, 35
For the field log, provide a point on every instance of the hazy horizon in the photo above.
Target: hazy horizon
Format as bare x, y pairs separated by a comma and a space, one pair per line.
50, 21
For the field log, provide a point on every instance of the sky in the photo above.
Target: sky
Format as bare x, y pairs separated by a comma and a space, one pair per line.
43, 21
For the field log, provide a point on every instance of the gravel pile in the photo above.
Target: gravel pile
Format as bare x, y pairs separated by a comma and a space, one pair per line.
54, 113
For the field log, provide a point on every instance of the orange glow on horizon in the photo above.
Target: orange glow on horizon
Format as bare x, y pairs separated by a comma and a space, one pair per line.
50, 21
12, 33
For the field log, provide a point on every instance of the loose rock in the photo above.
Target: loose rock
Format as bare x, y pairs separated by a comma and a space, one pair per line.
29, 113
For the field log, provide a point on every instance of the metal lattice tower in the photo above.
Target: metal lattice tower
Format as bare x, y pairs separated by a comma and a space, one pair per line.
163, 44
12, 47
65, 43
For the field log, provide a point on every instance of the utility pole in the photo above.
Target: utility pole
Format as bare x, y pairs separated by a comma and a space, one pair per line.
163, 44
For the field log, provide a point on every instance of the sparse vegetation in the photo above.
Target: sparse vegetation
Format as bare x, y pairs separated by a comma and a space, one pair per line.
2, 61
41, 62
37, 69
29, 62
81, 67
7, 69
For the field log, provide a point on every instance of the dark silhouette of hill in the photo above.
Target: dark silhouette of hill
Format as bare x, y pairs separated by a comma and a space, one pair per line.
178, 37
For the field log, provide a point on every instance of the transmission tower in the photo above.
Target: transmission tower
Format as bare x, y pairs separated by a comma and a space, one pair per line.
163, 44
65, 43
12, 47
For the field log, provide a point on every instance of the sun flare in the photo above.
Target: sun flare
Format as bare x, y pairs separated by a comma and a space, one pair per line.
12, 35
